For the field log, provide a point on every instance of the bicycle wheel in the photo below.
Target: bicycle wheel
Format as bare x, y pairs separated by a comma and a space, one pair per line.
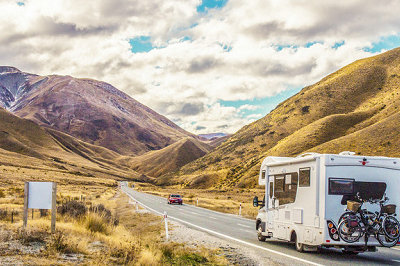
391, 227
349, 234
345, 215
386, 241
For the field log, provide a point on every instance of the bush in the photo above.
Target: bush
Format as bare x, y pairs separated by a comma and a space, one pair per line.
96, 223
3, 214
105, 213
73, 209
29, 236
2, 194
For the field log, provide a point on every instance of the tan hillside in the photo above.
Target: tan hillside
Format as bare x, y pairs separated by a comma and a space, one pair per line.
356, 108
26, 144
169, 159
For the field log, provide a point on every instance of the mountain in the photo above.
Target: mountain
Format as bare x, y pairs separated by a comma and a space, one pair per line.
89, 110
26, 144
212, 135
355, 108
168, 159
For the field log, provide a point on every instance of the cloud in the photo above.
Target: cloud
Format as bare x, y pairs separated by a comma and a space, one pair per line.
236, 51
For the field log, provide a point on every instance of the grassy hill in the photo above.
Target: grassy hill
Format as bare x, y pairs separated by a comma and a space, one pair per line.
169, 159
356, 108
23, 143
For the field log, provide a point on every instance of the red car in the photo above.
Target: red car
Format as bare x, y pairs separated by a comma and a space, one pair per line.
175, 198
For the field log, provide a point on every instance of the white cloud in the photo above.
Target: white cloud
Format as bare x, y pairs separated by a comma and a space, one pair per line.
232, 54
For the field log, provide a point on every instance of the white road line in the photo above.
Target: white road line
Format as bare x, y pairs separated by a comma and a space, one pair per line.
231, 238
213, 218
245, 225
396, 260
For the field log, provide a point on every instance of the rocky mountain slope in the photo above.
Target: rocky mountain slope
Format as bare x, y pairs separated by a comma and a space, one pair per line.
90, 110
356, 108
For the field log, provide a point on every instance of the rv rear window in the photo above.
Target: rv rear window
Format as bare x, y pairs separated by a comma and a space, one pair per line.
304, 177
341, 186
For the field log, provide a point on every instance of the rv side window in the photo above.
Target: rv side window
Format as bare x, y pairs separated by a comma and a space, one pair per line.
263, 174
279, 183
271, 189
304, 177
341, 186
288, 188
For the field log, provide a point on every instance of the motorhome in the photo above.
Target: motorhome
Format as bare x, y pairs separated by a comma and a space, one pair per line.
306, 195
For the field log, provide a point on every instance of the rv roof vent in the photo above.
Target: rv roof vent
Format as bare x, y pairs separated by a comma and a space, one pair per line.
349, 153
307, 154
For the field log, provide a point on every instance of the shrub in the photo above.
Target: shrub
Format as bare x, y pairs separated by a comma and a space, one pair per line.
57, 243
3, 214
105, 213
73, 209
2, 194
96, 223
29, 236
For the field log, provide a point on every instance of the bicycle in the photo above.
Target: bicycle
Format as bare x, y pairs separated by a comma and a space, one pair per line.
357, 222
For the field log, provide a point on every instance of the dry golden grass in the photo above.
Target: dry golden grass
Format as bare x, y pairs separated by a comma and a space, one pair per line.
138, 239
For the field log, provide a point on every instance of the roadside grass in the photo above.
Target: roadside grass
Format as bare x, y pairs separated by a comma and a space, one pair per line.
109, 232
226, 200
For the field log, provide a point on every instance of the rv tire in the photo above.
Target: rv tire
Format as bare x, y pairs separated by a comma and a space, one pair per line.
259, 234
299, 246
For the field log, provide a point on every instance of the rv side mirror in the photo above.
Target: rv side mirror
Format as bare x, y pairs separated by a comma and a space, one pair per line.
255, 201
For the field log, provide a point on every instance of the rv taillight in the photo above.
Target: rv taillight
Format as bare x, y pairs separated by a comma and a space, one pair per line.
333, 230
328, 241
336, 236
330, 225
364, 163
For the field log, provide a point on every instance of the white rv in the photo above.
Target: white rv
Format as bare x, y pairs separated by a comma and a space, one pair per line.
306, 195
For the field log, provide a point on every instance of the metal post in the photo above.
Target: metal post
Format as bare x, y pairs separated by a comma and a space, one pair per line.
240, 209
26, 192
53, 208
32, 214
12, 216
166, 225
197, 202
137, 205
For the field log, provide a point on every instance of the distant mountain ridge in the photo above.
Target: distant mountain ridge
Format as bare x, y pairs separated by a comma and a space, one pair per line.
357, 108
90, 110
212, 135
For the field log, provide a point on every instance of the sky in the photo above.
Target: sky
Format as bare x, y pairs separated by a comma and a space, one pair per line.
208, 65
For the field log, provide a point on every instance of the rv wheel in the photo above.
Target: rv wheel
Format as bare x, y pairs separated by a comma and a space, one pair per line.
259, 234
299, 246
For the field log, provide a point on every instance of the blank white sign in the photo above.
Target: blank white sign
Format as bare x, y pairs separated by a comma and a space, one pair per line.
40, 194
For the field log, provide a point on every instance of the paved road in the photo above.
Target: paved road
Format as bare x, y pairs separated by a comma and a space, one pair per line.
242, 230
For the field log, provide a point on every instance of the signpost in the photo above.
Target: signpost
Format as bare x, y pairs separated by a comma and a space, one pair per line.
40, 195
166, 225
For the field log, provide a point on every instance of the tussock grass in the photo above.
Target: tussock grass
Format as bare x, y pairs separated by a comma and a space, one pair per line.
96, 223
138, 238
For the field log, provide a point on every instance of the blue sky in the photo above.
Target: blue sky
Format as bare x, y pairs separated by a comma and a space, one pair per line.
385, 43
